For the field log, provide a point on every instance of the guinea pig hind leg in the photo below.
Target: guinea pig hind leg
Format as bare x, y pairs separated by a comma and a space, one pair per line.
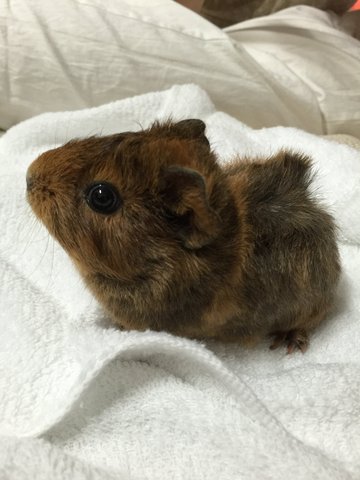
296, 339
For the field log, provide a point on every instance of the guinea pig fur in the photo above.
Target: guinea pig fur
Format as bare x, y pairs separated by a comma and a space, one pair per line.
167, 239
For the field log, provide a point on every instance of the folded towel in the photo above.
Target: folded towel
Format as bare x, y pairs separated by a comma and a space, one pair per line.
150, 405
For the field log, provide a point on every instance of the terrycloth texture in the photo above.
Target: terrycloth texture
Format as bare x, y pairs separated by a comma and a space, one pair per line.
150, 405
38, 460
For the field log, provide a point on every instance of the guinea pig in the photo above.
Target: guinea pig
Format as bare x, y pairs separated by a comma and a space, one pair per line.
168, 239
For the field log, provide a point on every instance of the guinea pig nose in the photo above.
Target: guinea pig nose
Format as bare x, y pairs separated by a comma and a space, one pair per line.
29, 182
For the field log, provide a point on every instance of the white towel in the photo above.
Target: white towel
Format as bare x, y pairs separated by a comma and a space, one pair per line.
150, 405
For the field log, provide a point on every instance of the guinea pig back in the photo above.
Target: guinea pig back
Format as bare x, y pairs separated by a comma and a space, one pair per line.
167, 239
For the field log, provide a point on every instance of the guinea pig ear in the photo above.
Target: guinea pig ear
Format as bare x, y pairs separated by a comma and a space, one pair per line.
186, 201
193, 129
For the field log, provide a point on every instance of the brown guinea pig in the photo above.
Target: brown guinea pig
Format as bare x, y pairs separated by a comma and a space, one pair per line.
167, 239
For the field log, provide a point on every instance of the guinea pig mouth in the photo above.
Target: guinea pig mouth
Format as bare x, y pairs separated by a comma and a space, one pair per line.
38, 193
37, 185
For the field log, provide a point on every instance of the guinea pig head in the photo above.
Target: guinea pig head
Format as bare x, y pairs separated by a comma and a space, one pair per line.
128, 204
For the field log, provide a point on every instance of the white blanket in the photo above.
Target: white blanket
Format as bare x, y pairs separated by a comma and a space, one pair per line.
150, 405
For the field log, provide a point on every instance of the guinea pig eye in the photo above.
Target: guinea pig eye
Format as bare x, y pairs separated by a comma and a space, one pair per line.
102, 198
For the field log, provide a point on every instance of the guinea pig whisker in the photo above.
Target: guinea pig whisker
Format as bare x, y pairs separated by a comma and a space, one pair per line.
26, 234
28, 238
52, 262
41, 259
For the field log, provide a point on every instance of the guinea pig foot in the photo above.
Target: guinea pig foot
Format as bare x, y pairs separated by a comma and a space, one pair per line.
296, 339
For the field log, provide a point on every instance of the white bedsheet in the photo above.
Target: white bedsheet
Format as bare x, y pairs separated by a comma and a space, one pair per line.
313, 46
150, 405
296, 68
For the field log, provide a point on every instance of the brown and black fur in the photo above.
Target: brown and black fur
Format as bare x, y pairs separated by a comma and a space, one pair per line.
231, 253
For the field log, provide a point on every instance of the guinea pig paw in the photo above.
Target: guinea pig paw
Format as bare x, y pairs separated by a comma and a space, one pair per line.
296, 339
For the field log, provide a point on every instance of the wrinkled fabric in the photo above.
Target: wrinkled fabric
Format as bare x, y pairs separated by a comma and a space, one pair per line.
314, 46
86, 53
